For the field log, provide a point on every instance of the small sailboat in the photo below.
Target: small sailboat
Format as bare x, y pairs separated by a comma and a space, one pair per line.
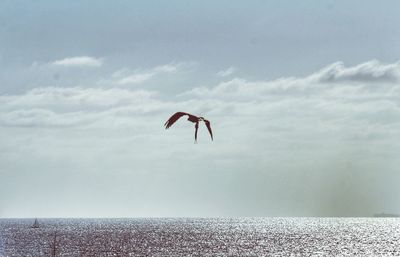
35, 224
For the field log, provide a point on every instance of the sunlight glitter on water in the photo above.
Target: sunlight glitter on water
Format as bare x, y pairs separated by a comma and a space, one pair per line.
202, 237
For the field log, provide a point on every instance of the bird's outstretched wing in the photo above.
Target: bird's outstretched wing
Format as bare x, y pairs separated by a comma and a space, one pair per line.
174, 118
208, 125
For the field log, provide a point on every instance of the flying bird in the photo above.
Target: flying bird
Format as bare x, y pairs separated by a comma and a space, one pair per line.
191, 118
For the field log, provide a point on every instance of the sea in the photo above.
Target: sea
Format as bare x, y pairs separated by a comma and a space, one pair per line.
201, 237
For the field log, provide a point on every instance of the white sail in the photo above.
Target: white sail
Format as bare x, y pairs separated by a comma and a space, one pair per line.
35, 224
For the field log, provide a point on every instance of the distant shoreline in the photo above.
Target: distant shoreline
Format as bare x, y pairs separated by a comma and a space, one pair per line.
386, 215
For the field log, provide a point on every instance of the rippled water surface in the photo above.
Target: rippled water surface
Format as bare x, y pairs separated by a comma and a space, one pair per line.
202, 237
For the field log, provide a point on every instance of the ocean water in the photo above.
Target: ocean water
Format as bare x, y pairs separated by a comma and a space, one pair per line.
201, 237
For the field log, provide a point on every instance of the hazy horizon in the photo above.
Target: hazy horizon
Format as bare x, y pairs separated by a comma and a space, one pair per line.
303, 98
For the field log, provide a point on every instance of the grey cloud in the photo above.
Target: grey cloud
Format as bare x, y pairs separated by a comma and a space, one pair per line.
227, 72
268, 134
41, 118
71, 106
126, 77
366, 75
79, 61
75, 97
368, 72
325, 142
233, 97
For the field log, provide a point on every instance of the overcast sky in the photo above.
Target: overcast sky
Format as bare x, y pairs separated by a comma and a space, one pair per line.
303, 98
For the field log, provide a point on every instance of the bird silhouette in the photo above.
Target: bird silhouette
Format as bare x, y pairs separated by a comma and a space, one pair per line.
191, 118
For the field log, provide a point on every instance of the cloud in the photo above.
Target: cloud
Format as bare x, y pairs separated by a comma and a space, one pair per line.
359, 109
368, 72
310, 95
124, 77
333, 81
227, 72
71, 106
168, 68
300, 102
40, 118
75, 97
135, 78
79, 61
287, 135
239, 89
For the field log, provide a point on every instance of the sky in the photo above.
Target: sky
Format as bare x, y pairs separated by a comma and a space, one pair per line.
303, 98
